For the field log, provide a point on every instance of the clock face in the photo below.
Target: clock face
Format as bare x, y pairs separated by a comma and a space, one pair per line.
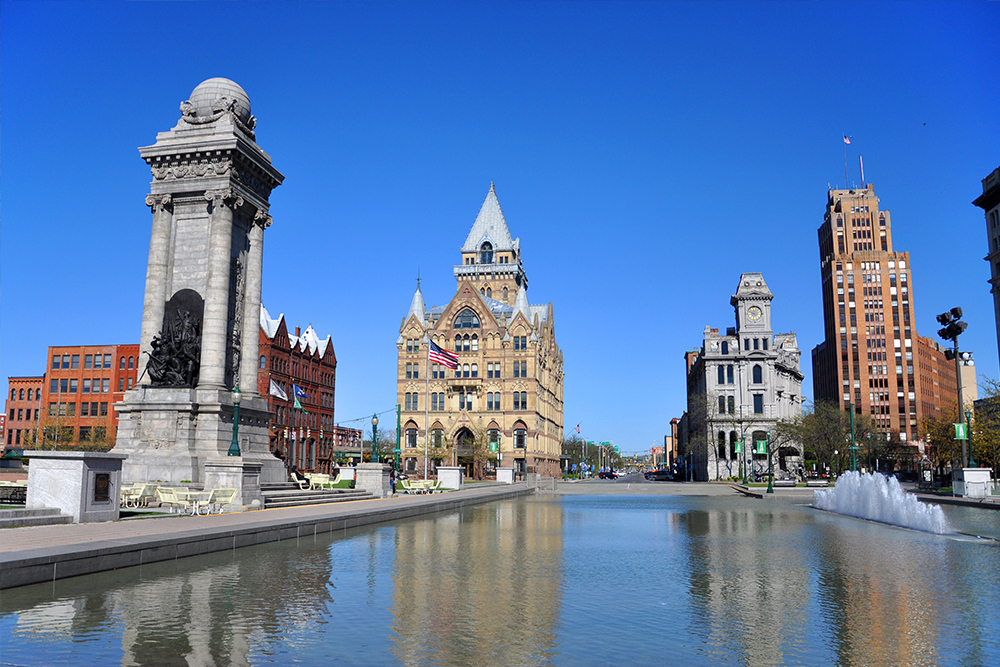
754, 313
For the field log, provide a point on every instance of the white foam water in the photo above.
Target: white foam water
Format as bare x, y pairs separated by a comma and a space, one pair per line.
877, 498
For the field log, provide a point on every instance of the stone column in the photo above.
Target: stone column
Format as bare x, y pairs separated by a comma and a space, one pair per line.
251, 312
155, 299
214, 338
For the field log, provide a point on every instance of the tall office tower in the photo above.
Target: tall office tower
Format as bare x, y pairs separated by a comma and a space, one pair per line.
989, 201
872, 358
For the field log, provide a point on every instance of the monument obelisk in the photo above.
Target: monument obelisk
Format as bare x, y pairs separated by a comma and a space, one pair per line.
201, 311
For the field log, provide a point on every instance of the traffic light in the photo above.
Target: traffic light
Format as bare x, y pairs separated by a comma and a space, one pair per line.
953, 326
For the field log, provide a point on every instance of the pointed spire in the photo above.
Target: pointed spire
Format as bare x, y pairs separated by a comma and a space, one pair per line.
521, 303
490, 225
417, 305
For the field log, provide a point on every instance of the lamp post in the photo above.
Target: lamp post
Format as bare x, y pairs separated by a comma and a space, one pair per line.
836, 458
234, 447
968, 434
770, 469
374, 440
953, 328
854, 443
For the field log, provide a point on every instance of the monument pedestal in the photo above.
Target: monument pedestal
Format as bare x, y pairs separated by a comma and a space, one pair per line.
85, 485
451, 477
236, 472
374, 478
505, 475
170, 433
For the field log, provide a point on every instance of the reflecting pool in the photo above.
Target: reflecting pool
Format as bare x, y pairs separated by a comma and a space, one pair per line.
550, 580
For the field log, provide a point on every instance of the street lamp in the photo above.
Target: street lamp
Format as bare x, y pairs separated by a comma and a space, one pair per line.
953, 328
770, 469
968, 434
234, 447
374, 440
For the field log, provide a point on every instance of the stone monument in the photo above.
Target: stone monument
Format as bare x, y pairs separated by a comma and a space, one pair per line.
201, 311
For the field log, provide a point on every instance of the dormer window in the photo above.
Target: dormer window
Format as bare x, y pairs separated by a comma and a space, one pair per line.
467, 320
486, 253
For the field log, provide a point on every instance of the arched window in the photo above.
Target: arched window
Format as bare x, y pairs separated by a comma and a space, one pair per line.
465, 342
722, 444
458, 343
29, 394
722, 374
21, 395
486, 253
121, 363
520, 437
411, 437
729, 374
467, 319
13, 394
482, 290
489, 292
475, 370
263, 361
732, 444
475, 342
131, 362
725, 347
465, 370
505, 294
758, 374
722, 405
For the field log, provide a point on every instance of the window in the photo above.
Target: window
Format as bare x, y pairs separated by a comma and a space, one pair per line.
758, 404
489, 370
725, 347
131, 362
75, 363
505, 294
21, 395
434, 402
105, 385
489, 400
55, 362
722, 374
65, 361
121, 363
85, 434
411, 437
746, 343
486, 253
458, 343
263, 362
107, 361
88, 362
520, 438
85, 409
29, 394
722, 405
475, 342
121, 384
729, 374
467, 319
765, 343
465, 370
732, 405
758, 374
63, 385
756, 342
475, 370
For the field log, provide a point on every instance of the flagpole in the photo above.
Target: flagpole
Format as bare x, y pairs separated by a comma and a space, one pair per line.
846, 181
427, 401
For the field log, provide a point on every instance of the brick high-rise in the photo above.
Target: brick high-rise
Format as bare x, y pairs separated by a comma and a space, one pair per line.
873, 357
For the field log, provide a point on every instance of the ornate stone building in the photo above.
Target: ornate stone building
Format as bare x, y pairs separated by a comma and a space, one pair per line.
739, 385
507, 392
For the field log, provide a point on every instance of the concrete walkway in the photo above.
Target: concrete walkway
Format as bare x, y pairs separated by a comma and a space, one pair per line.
36, 554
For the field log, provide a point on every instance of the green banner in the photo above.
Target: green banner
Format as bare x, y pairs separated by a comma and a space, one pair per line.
762, 446
960, 433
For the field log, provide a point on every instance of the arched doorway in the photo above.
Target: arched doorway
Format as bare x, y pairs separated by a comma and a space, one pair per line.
464, 445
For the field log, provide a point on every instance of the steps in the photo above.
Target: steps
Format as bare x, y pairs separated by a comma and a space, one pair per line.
13, 518
287, 494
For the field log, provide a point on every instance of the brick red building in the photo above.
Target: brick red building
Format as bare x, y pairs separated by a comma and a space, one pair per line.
22, 412
308, 438
80, 386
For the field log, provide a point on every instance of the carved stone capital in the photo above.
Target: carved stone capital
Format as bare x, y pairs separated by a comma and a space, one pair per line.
224, 197
262, 218
159, 202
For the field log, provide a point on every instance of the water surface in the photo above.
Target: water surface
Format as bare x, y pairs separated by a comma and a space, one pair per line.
550, 580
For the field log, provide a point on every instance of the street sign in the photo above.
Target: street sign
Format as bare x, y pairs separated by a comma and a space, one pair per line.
960, 433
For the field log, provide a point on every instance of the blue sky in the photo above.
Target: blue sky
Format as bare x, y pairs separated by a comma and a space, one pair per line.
645, 153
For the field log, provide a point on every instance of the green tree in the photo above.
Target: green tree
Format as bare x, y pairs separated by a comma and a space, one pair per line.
824, 429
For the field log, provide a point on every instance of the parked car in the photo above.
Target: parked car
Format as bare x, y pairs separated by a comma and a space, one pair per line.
660, 476
607, 474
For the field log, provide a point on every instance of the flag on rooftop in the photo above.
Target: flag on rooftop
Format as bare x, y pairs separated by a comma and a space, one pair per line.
443, 357
298, 391
275, 390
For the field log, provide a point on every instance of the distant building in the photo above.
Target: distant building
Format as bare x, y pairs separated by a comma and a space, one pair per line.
508, 388
22, 412
308, 437
739, 385
989, 201
872, 358
81, 385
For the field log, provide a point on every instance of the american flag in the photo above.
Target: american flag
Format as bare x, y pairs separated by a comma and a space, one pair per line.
443, 357
847, 139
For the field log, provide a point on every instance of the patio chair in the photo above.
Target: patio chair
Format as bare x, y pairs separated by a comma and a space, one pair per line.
299, 479
168, 496
318, 481
219, 498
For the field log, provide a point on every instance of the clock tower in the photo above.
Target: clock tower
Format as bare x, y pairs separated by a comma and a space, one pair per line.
752, 302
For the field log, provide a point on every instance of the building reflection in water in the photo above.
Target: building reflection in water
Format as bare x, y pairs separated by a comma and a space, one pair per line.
479, 587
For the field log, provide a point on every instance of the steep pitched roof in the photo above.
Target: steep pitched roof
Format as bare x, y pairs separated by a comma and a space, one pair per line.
490, 226
417, 306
